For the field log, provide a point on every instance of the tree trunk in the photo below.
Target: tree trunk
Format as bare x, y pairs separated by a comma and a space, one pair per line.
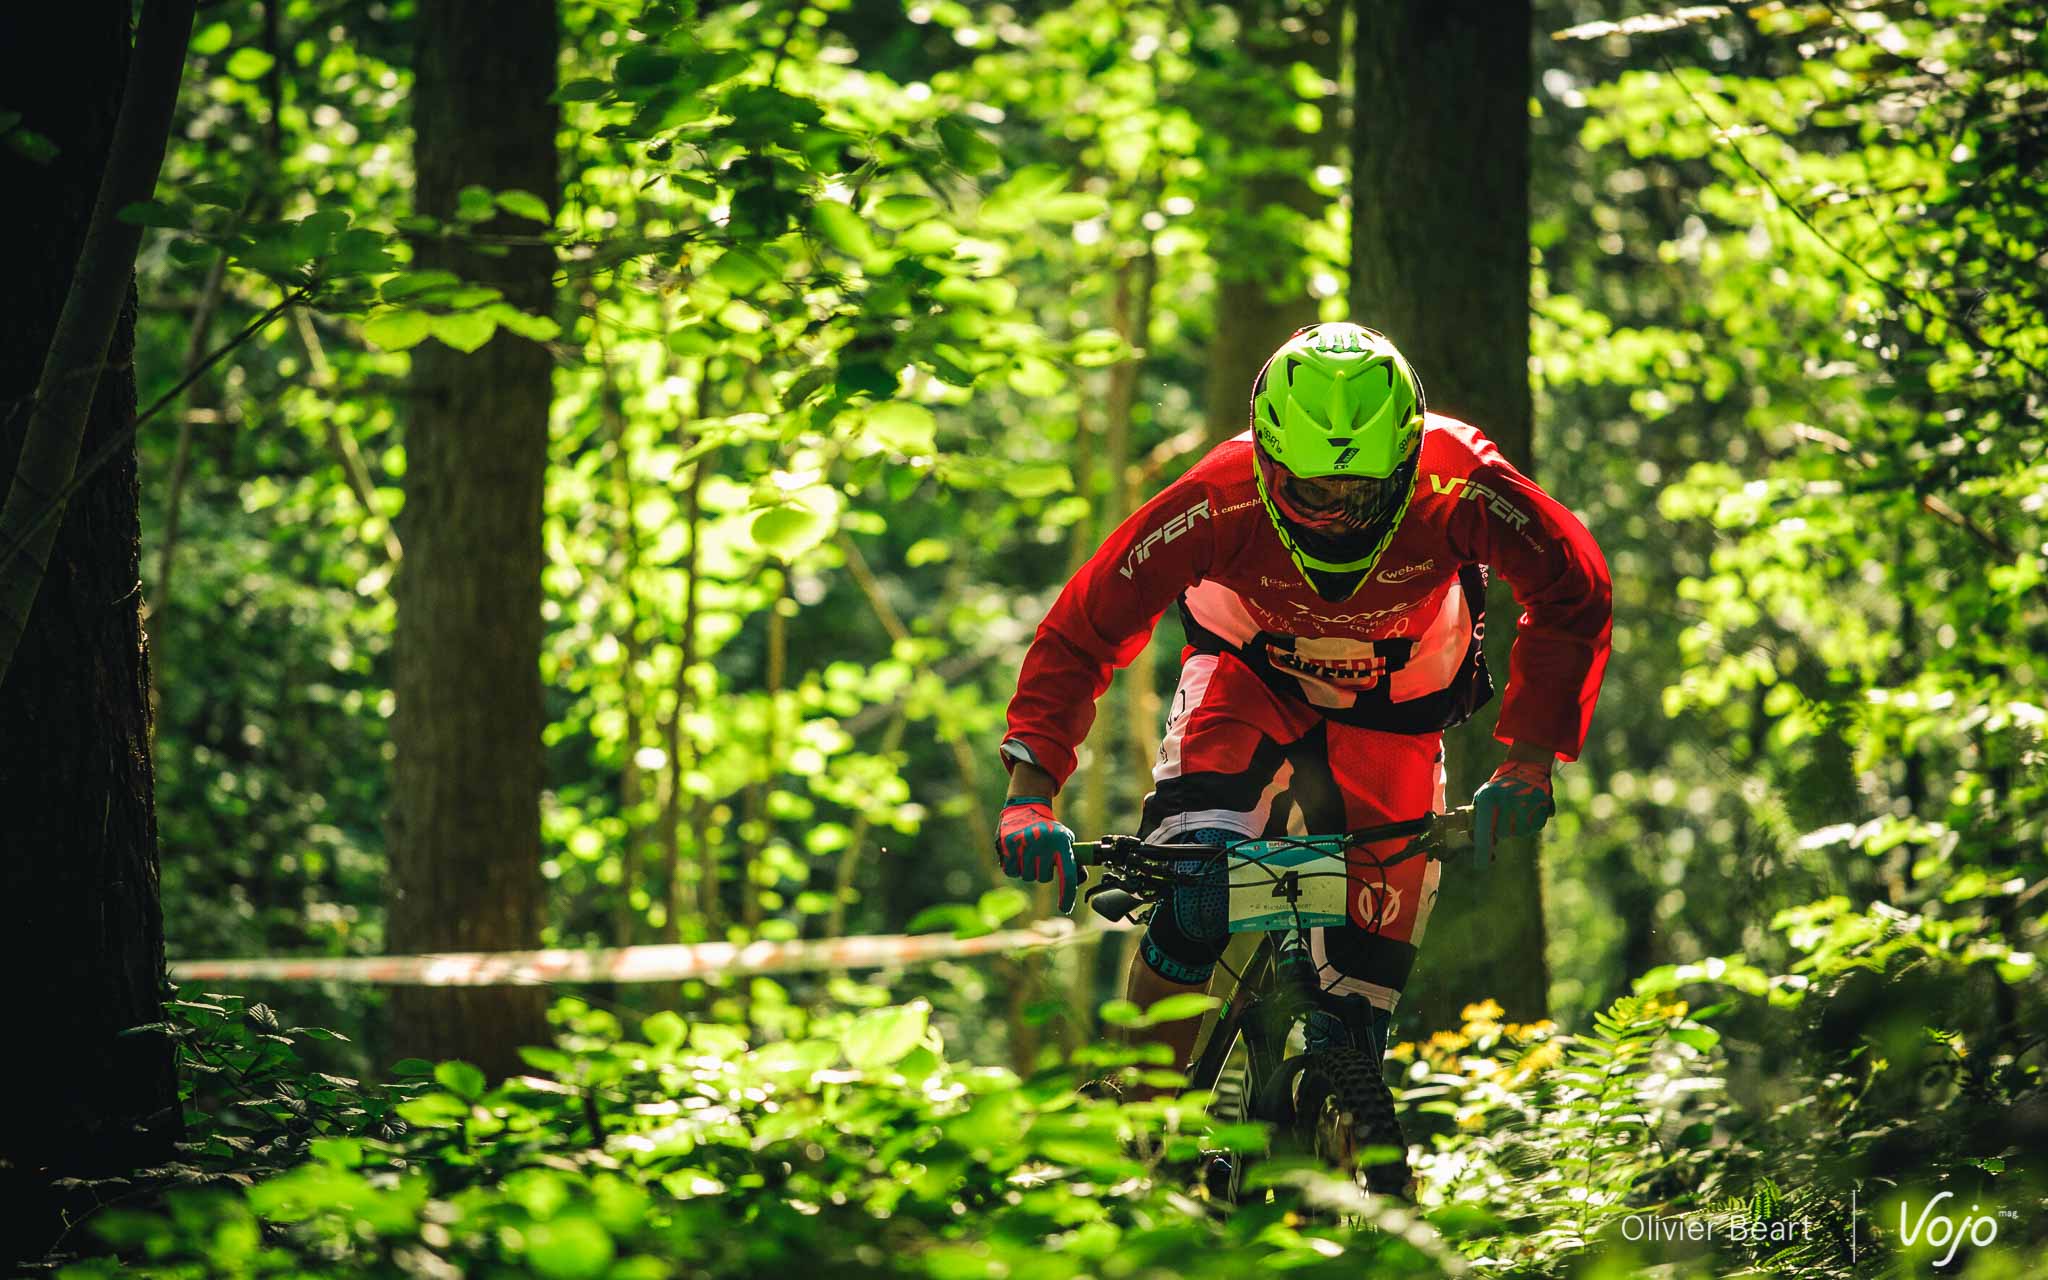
466, 829
79, 909
1261, 295
1440, 263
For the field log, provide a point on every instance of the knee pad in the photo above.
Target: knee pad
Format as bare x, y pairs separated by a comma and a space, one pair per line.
1190, 925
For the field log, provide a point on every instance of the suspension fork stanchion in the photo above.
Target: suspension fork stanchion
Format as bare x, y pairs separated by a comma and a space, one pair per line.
1294, 978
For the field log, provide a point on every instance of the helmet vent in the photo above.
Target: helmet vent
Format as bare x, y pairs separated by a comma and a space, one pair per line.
1340, 442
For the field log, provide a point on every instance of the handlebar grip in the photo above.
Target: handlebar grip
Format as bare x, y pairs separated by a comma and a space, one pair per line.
1115, 904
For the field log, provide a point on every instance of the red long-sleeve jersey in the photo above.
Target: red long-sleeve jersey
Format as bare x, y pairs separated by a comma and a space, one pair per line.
1401, 655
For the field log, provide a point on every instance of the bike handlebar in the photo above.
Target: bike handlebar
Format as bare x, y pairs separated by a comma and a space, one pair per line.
1429, 834
1132, 863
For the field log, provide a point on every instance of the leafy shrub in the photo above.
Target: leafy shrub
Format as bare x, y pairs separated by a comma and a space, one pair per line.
849, 1144
858, 1150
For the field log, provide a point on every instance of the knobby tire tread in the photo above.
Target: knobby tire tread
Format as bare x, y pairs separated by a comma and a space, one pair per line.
1354, 1080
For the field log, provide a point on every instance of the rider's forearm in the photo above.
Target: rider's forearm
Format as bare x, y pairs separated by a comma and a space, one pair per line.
1531, 753
1027, 779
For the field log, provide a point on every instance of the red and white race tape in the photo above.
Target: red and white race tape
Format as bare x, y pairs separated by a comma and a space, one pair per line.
629, 964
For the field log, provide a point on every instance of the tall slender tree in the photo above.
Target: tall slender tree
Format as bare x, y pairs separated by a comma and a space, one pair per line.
466, 831
79, 909
1261, 293
1440, 263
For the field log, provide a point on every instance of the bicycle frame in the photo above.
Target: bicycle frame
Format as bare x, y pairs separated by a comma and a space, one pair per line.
1255, 1004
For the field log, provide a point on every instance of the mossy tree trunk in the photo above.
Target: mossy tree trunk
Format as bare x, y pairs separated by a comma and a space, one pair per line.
79, 909
1440, 263
466, 847
1262, 292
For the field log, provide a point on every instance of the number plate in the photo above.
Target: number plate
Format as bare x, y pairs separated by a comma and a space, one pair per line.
1280, 888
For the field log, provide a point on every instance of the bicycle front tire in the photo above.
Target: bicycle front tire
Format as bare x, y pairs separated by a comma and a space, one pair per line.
1342, 1107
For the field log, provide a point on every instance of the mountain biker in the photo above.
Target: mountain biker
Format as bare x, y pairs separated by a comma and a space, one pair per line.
1327, 569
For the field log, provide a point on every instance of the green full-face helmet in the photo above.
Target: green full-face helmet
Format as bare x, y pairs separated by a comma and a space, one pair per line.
1336, 431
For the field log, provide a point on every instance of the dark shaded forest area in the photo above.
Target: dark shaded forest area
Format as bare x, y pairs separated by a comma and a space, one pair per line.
574, 475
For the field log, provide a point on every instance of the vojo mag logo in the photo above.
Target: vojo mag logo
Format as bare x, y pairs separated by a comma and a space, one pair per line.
1943, 1230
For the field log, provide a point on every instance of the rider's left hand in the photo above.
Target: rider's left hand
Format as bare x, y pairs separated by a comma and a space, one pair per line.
1514, 802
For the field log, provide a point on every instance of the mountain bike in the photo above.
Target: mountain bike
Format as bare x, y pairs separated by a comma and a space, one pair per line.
1250, 1052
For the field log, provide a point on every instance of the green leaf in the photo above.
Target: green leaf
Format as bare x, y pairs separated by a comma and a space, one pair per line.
928, 551
433, 1110
787, 532
345, 1152
513, 320
524, 204
553, 1062
1031, 183
1701, 1038
842, 228
1037, 480
407, 1068
880, 1037
692, 340
417, 285
474, 204
949, 917
741, 318
574, 1248
1033, 376
359, 251
34, 147
464, 330
249, 64
152, 213
930, 238
990, 294
1179, 1008
211, 38
1070, 206
901, 426
868, 376
397, 329
641, 67
1239, 1137
899, 211
1002, 902
1122, 1013
220, 195
967, 148
743, 271
461, 1079
664, 1030
585, 90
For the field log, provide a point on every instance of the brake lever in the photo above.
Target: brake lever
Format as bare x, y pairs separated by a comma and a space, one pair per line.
1114, 905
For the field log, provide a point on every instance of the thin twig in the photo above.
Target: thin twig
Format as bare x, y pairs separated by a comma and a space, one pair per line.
339, 437
1890, 289
122, 439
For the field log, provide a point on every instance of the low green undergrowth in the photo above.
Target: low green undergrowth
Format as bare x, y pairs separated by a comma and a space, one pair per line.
851, 1144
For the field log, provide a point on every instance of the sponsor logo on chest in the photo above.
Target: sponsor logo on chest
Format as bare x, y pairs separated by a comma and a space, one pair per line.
1287, 612
1395, 577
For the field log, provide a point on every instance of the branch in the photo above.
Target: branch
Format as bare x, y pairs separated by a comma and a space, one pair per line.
85, 328
339, 438
1897, 293
963, 753
47, 516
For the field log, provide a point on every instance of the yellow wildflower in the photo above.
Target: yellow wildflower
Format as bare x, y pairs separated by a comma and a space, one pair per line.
1488, 1010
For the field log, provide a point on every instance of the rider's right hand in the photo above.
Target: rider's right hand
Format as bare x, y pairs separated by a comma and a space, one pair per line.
1032, 845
